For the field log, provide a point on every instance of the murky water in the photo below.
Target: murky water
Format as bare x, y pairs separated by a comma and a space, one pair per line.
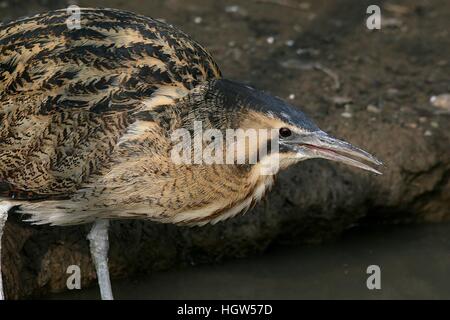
414, 262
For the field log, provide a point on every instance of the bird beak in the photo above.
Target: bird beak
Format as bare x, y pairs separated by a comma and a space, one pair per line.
320, 145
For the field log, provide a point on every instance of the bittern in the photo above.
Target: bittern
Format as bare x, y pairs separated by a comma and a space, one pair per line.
87, 117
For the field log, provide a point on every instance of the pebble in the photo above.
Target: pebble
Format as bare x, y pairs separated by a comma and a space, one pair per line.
232, 9
428, 133
392, 92
236, 10
422, 119
391, 23
373, 109
397, 9
198, 20
434, 124
347, 114
290, 43
341, 101
441, 101
291, 96
270, 40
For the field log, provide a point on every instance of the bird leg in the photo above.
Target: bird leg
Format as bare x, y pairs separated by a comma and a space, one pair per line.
4, 208
99, 245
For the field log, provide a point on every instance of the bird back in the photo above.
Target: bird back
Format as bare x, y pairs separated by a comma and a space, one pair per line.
67, 96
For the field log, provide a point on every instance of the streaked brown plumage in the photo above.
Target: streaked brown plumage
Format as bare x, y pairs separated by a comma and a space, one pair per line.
86, 117
69, 95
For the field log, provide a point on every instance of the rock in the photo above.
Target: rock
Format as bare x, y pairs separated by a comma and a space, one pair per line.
341, 101
434, 124
392, 92
398, 9
232, 9
235, 9
346, 114
441, 101
290, 43
373, 109
391, 23
270, 40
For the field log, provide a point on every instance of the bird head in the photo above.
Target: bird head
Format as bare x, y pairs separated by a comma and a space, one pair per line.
223, 105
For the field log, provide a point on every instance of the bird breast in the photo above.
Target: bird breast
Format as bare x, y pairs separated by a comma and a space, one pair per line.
255, 187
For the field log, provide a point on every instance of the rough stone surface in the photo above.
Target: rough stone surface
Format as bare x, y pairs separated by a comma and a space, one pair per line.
395, 69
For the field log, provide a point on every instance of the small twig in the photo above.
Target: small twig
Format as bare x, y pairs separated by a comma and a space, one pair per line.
331, 74
286, 3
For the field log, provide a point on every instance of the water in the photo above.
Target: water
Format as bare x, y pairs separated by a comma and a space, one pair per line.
414, 262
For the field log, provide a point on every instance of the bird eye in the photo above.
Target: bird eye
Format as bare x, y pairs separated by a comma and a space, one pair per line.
285, 132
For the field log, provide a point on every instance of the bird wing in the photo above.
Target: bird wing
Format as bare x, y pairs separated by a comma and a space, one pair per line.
67, 96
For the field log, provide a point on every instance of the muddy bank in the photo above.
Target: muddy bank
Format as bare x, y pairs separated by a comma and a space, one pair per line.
370, 88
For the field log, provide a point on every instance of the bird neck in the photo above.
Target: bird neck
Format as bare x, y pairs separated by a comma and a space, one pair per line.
223, 192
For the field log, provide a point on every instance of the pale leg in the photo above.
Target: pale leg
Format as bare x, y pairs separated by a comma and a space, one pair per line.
5, 206
99, 245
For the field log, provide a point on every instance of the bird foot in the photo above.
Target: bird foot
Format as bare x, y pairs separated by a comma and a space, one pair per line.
99, 245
